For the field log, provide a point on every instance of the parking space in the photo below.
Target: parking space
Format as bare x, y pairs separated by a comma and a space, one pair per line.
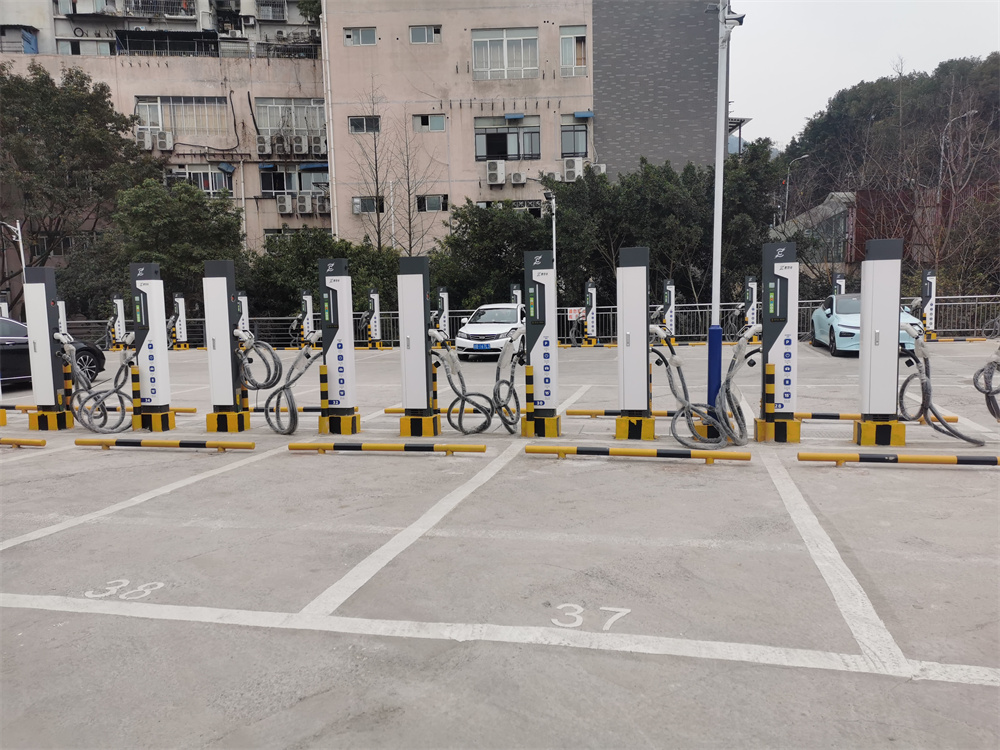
269, 598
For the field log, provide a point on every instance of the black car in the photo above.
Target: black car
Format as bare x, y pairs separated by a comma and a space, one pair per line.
14, 366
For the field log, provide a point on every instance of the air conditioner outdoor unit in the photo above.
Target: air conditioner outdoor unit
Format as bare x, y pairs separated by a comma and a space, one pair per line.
322, 204
356, 205
164, 140
138, 28
518, 178
144, 140
314, 33
280, 144
300, 144
317, 144
249, 21
599, 168
285, 204
572, 169
279, 34
496, 172
304, 205
263, 144
557, 176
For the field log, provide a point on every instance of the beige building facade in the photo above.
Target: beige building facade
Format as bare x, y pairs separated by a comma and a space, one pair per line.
386, 114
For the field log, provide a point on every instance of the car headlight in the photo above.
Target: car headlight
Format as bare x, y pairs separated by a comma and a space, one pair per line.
511, 333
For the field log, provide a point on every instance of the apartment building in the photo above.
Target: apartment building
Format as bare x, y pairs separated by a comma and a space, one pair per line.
386, 114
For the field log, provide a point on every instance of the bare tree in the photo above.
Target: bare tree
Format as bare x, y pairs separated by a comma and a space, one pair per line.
414, 171
373, 157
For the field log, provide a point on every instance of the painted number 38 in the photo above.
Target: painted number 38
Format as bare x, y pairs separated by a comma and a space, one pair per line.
113, 587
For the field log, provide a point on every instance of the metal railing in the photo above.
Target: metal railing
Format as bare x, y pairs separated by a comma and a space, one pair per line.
956, 316
147, 8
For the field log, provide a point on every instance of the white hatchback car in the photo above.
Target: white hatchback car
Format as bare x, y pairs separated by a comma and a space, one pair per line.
488, 329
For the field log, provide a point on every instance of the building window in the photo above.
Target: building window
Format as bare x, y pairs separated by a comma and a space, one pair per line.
364, 124
205, 177
85, 47
573, 50
359, 37
504, 53
292, 179
496, 138
428, 123
271, 10
183, 115
425, 35
429, 203
574, 140
368, 204
290, 116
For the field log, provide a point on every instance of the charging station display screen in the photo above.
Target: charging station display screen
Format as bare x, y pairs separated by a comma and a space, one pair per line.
139, 317
772, 298
532, 304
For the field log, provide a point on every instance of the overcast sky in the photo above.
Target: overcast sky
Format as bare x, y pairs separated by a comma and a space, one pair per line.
791, 56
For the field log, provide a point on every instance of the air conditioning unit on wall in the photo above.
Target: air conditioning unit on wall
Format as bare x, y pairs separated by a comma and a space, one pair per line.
304, 205
518, 178
285, 204
572, 169
165, 140
496, 172
144, 140
322, 204
280, 145
317, 144
263, 144
300, 144
599, 168
557, 176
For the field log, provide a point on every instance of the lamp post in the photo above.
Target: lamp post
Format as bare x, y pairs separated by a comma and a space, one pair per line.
727, 22
551, 198
788, 177
16, 229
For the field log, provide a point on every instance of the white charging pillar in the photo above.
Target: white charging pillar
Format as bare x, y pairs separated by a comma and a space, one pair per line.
180, 323
48, 378
669, 307
839, 284
541, 374
4, 305
420, 417
443, 312
779, 345
151, 346
878, 365
375, 320
337, 375
750, 301
590, 321
636, 419
515, 294
928, 292
222, 316
118, 324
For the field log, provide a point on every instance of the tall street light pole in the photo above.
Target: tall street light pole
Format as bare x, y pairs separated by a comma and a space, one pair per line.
788, 177
551, 198
727, 22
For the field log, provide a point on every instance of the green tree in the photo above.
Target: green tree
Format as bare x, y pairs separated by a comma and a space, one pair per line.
484, 254
288, 265
64, 155
311, 10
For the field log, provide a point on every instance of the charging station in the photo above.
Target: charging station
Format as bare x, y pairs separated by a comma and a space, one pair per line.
151, 346
444, 311
750, 298
48, 376
878, 364
61, 307
515, 294
779, 345
634, 371
222, 318
839, 283
178, 333
4, 305
928, 293
243, 323
420, 417
371, 322
670, 309
590, 316
541, 374
337, 374
118, 324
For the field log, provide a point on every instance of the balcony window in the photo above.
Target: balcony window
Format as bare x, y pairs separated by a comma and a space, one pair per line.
360, 37
425, 35
504, 53
432, 203
497, 138
183, 115
271, 10
280, 116
573, 51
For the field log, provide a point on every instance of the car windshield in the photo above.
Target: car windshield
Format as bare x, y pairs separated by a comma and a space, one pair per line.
494, 315
848, 304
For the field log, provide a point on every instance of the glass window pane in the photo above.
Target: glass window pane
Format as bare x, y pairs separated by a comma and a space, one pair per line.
481, 144
512, 149
496, 54
368, 36
566, 51
514, 54
437, 123
480, 55
567, 142
418, 35
530, 53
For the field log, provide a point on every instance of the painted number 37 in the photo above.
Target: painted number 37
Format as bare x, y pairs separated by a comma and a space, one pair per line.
573, 613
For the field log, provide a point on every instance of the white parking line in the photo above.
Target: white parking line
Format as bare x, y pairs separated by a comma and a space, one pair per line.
876, 642
24, 454
138, 499
573, 399
529, 635
347, 586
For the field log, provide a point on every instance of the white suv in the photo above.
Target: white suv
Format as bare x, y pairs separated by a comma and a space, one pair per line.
488, 329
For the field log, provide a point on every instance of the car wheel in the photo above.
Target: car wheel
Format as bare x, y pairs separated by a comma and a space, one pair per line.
87, 364
814, 337
834, 351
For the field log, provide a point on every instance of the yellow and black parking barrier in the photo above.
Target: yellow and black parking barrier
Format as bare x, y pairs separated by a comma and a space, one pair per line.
447, 448
23, 442
220, 445
895, 458
401, 410
850, 417
709, 457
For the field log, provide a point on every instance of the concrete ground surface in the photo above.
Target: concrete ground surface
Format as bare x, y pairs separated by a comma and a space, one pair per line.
187, 598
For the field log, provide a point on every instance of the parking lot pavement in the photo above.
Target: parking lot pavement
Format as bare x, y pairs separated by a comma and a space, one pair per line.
191, 598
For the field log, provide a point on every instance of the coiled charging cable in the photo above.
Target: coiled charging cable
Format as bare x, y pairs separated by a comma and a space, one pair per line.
983, 382
283, 398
